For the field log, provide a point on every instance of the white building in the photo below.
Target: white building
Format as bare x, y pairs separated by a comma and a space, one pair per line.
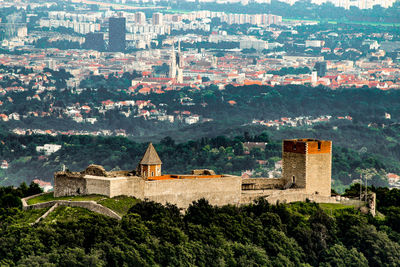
158, 19
192, 119
48, 149
253, 43
314, 43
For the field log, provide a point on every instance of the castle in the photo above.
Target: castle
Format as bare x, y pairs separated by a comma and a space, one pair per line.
306, 174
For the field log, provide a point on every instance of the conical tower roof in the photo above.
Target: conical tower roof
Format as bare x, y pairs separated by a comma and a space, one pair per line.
150, 157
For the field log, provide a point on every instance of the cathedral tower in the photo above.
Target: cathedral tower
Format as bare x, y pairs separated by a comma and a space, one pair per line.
179, 64
172, 63
176, 64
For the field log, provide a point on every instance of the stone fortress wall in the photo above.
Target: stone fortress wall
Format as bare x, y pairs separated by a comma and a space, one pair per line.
306, 175
182, 192
219, 191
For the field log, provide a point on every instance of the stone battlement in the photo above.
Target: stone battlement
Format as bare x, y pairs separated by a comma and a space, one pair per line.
306, 166
307, 146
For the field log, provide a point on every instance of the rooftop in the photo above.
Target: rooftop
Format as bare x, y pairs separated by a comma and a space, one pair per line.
150, 157
305, 140
180, 176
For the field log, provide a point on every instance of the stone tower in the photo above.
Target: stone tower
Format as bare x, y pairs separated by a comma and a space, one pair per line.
150, 165
307, 163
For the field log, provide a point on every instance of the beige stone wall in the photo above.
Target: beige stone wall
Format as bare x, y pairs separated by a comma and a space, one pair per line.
318, 169
182, 192
262, 183
128, 186
294, 164
292, 195
98, 185
69, 186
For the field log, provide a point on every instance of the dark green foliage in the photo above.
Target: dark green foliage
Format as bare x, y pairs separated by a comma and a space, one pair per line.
290, 70
260, 234
11, 197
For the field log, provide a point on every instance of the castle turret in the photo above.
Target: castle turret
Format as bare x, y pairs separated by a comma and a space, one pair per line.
150, 165
307, 163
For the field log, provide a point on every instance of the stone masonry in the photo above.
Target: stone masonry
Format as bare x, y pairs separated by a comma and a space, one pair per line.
306, 174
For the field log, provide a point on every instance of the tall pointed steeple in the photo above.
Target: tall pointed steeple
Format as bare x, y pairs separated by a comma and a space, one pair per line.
172, 63
150, 164
179, 64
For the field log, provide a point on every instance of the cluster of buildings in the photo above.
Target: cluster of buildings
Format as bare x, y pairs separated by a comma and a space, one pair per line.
361, 4
347, 4
299, 121
265, 51
394, 180
52, 132
118, 31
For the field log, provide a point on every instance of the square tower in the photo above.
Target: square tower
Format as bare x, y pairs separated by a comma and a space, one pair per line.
307, 163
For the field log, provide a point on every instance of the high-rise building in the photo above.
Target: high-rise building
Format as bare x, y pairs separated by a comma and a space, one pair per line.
320, 67
94, 41
158, 19
117, 34
140, 18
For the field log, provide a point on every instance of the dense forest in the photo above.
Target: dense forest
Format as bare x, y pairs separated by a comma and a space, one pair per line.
260, 234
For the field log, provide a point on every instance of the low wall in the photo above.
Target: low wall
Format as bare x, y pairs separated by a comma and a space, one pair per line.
293, 195
262, 183
25, 200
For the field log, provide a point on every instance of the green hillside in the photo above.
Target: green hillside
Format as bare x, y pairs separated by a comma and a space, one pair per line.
119, 204
150, 234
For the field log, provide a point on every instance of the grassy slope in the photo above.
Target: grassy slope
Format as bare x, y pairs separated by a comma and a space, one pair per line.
120, 204
49, 197
67, 214
331, 206
29, 216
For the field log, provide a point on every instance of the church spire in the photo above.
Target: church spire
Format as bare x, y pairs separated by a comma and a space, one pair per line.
172, 63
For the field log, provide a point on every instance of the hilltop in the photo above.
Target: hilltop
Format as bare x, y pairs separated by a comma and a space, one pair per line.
299, 234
